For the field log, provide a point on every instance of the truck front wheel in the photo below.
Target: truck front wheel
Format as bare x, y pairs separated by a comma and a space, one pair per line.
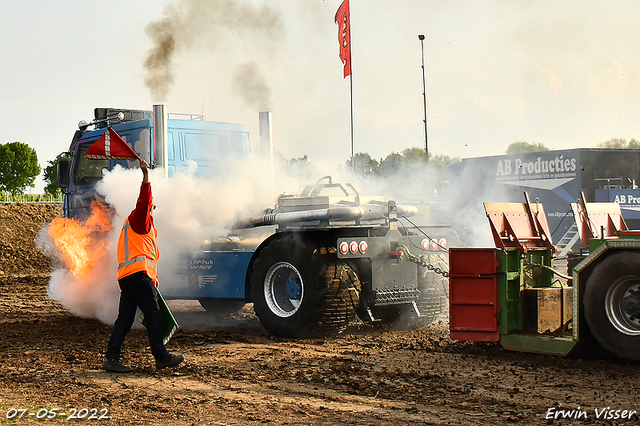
612, 304
299, 292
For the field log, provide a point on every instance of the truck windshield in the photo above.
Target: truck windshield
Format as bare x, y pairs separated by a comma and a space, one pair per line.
88, 171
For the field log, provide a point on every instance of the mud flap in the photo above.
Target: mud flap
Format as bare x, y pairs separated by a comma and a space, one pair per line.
473, 294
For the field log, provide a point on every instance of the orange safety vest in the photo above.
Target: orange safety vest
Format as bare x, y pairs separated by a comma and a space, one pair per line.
137, 252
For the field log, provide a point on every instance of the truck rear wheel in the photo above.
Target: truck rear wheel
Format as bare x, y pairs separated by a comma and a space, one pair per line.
612, 304
299, 292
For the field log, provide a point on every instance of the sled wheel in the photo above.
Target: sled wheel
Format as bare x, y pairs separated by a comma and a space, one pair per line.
612, 304
297, 292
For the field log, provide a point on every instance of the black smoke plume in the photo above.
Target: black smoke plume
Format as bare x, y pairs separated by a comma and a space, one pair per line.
206, 24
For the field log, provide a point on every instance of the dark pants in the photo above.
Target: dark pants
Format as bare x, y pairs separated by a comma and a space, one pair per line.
137, 291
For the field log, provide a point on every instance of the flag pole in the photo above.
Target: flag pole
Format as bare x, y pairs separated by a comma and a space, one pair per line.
353, 158
424, 94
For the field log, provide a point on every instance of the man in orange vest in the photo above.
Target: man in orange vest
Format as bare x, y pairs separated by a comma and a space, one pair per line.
138, 280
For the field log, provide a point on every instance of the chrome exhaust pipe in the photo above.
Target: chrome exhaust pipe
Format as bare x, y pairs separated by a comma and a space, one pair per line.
160, 138
283, 218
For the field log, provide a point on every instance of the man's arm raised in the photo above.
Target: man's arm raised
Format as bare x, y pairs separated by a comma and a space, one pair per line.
145, 171
140, 218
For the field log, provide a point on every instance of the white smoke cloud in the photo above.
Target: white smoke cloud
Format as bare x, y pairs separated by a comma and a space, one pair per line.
193, 209
91, 296
94, 296
189, 211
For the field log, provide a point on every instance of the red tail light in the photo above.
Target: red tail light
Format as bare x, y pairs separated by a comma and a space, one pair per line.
344, 247
353, 247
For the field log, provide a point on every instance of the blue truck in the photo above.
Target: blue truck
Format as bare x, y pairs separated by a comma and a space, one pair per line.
312, 264
187, 138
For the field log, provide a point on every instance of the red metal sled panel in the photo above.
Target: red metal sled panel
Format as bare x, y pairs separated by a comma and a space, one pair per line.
518, 225
473, 261
598, 220
473, 294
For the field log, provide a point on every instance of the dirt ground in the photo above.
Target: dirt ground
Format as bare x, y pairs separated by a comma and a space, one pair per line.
236, 374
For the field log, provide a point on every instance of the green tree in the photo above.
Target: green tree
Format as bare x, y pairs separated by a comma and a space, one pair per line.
620, 143
364, 165
518, 147
414, 155
302, 168
411, 160
50, 176
441, 161
392, 164
18, 167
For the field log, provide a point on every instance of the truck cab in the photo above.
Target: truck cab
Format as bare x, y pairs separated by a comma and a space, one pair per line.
193, 145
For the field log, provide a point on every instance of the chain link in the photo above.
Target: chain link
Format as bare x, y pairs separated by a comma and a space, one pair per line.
415, 259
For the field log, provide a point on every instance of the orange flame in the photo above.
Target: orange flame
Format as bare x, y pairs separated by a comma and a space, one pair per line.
82, 244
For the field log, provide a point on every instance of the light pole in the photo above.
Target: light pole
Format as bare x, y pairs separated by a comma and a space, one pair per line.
424, 94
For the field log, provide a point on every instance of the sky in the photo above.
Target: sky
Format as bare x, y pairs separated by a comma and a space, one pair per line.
562, 73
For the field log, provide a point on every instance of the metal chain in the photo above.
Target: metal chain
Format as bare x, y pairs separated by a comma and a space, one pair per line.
415, 259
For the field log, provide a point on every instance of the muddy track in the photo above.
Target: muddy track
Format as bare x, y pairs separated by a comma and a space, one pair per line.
235, 373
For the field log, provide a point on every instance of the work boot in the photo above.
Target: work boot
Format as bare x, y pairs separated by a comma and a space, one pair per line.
170, 361
115, 366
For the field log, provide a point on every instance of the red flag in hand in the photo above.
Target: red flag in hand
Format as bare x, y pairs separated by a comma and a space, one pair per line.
344, 35
110, 146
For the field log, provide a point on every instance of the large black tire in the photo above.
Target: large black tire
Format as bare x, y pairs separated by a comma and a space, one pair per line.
299, 291
221, 307
611, 304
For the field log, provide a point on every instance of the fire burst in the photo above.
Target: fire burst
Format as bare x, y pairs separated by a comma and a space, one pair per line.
82, 244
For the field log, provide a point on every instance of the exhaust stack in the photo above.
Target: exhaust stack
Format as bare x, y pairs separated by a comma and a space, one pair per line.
266, 135
160, 138
265, 150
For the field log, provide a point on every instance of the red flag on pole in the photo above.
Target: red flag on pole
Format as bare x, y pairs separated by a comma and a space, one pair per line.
110, 146
344, 35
